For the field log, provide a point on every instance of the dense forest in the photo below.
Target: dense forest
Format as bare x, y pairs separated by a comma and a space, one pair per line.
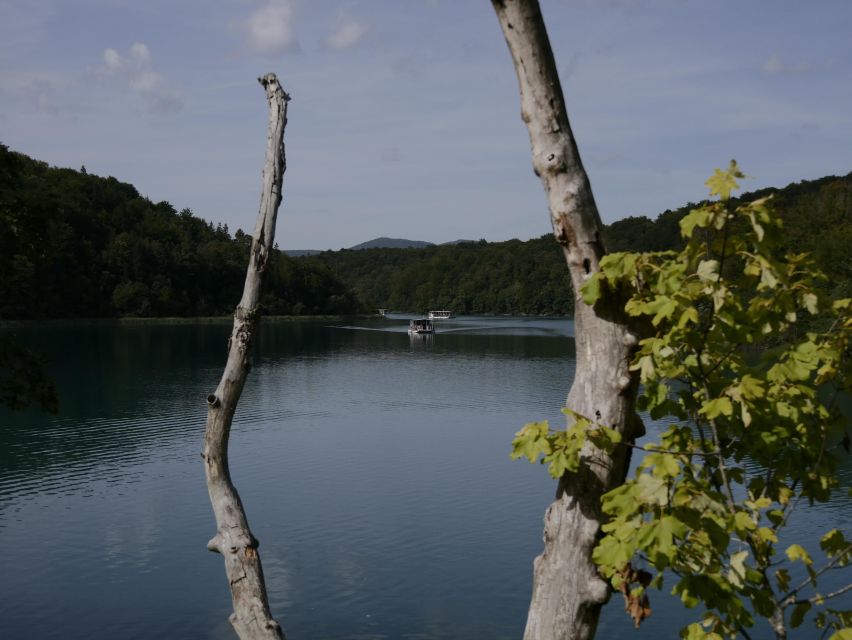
78, 245
529, 277
816, 216
510, 277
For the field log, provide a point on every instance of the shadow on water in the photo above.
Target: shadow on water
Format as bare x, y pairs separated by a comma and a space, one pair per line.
374, 467
121, 389
127, 387
395, 450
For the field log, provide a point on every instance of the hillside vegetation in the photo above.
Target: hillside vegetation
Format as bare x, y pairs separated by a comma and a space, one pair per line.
78, 245
510, 277
530, 277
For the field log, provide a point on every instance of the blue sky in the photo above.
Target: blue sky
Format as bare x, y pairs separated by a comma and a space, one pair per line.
405, 118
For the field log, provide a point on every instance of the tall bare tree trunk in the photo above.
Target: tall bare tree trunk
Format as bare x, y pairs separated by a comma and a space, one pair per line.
567, 591
251, 617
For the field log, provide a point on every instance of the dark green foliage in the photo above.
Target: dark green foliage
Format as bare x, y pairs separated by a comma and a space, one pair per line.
510, 277
77, 245
816, 216
751, 434
296, 287
530, 277
23, 381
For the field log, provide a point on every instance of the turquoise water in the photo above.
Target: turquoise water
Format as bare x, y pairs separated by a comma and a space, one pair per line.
374, 468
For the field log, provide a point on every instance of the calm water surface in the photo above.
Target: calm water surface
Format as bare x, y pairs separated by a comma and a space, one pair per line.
374, 469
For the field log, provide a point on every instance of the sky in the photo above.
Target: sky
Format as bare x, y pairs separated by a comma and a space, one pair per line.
404, 120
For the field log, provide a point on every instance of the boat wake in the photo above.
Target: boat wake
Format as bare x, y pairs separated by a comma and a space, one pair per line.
378, 329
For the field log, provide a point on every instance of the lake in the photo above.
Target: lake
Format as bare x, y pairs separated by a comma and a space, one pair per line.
374, 468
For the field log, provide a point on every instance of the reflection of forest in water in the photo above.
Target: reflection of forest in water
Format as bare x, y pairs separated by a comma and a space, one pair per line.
374, 469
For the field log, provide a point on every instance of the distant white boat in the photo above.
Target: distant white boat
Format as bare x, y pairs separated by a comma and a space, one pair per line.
423, 325
383, 312
441, 315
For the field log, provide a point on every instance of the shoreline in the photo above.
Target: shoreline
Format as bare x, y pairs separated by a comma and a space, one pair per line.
11, 324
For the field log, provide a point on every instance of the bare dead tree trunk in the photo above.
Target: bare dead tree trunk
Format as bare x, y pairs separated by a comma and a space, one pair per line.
567, 591
251, 617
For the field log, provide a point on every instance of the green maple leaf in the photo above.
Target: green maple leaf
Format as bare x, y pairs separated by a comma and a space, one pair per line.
721, 183
531, 441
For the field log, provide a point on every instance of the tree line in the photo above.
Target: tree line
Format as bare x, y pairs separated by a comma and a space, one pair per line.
79, 245
512, 277
529, 277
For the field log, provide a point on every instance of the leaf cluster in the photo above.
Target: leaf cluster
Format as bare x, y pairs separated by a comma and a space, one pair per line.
23, 380
754, 429
561, 450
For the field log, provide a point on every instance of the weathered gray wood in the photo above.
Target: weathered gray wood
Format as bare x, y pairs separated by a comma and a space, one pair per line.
567, 590
251, 617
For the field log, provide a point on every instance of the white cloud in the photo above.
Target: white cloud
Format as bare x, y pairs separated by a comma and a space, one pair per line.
140, 52
775, 65
113, 60
143, 79
146, 82
347, 33
270, 29
140, 57
40, 92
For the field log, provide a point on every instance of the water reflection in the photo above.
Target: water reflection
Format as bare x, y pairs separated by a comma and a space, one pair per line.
374, 468
421, 340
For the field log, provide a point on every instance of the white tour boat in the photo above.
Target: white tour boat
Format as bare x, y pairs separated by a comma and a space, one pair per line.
423, 325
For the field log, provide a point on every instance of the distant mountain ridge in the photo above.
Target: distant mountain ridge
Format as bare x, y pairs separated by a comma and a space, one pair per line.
298, 253
529, 277
376, 243
86, 246
393, 243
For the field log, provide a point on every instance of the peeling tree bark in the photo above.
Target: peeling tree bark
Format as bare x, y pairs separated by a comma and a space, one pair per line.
567, 591
251, 617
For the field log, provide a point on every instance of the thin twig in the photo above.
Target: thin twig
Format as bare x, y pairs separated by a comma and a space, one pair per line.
828, 596
812, 579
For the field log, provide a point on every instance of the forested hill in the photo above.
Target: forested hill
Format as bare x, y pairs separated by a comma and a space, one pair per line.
511, 277
817, 217
78, 245
530, 277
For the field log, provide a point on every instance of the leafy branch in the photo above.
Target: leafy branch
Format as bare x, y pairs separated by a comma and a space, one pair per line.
724, 355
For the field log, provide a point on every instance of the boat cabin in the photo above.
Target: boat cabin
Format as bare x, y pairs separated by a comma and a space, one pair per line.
441, 315
422, 325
